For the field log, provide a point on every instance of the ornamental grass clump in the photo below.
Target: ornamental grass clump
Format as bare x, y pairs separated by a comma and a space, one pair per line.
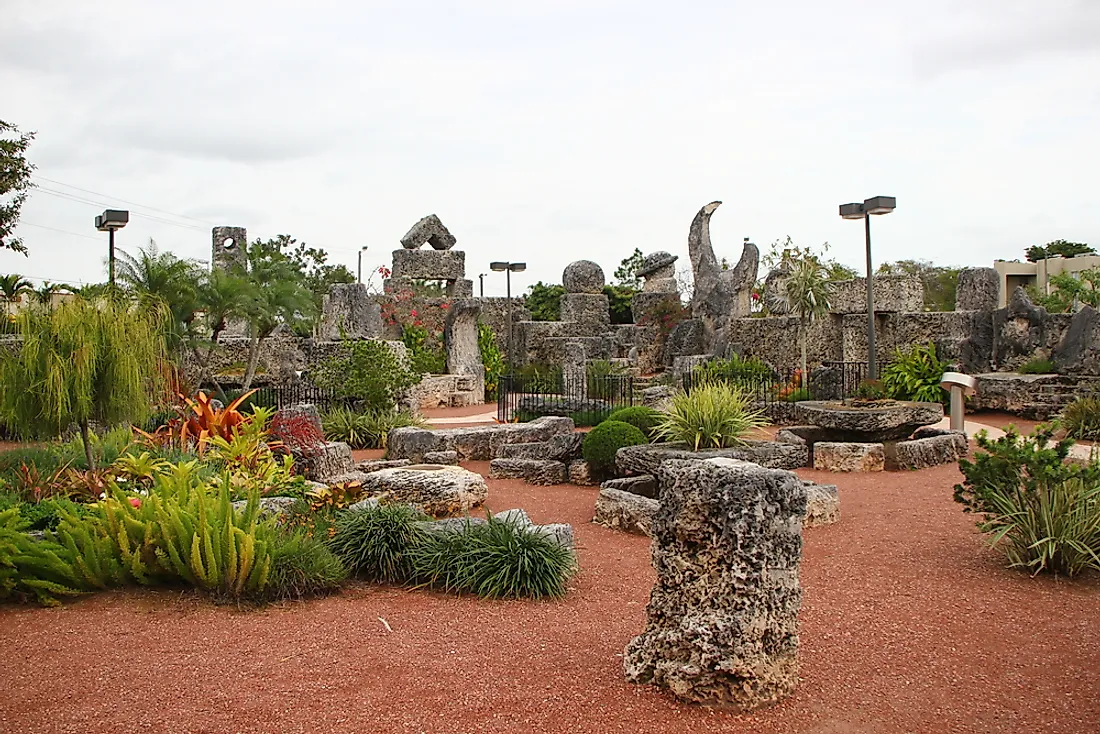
713, 415
1081, 419
499, 559
374, 542
365, 430
302, 566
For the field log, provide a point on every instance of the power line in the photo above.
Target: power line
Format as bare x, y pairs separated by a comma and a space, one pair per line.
124, 201
63, 231
81, 200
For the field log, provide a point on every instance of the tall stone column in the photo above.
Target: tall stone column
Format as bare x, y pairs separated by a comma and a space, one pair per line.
722, 623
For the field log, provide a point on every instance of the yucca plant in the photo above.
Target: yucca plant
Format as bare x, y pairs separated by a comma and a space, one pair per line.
712, 415
1055, 527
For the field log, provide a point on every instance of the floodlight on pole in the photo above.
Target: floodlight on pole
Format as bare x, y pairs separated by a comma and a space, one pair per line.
109, 221
499, 266
873, 206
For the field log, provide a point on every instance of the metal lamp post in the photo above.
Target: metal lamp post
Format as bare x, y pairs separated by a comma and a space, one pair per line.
481, 284
109, 221
359, 277
508, 268
876, 205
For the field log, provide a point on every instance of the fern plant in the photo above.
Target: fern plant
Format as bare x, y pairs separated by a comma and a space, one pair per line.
915, 375
31, 569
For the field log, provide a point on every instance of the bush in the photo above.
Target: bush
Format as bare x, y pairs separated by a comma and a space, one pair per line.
1053, 527
748, 370
367, 370
496, 560
365, 430
31, 569
1038, 366
1081, 419
713, 415
601, 443
425, 355
375, 542
641, 417
605, 380
44, 515
491, 357
870, 390
915, 375
301, 566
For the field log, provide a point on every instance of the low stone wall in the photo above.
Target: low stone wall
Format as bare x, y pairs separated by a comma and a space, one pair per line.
648, 458
473, 444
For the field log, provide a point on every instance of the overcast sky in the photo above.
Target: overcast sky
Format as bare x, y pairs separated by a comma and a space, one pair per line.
557, 130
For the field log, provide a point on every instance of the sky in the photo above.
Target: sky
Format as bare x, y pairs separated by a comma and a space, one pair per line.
553, 131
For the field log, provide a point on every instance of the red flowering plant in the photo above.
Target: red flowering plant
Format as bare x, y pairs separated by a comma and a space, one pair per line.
418, 320
665, 315
297, 433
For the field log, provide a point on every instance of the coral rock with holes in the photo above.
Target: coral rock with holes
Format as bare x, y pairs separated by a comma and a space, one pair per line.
822, 504
473, 444
647, 458
930, 448
532, 471
580, 473
437, 490
625, 511
722, 625
849, 457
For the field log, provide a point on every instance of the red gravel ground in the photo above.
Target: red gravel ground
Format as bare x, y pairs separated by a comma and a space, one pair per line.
908, 625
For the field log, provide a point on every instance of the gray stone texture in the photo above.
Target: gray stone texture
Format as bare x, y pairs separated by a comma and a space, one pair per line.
643, 302
562, 447
978, 289
1022, 331
447, 391
921, 453
1079, 350
439, 491
658, 265
429, 264
844, 456
228, 247
350, 312
687, 337
304, 410
648, 458
532, 471
643, 484
473, 444
582, 276
892, 294
376, 464
269, 506
447, 458
580, 473
719, 295
591, 309
460, 342
822, 504
722, 619
893, 421
428, 230
658, 396
626, 511
328, 462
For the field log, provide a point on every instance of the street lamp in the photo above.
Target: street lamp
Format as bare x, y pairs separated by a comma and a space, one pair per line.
876, 205
359, 277
508, 268
481, 284
109, 221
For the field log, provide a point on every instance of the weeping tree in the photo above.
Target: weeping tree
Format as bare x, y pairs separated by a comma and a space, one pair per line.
806, 292
83, 361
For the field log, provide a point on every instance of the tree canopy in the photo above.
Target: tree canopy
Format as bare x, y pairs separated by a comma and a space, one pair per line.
940, 282
15, 181
1058, 248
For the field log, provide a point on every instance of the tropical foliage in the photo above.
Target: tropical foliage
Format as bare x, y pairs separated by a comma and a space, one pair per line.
711, 415
605, 439
806, 292
915, 374
368, 372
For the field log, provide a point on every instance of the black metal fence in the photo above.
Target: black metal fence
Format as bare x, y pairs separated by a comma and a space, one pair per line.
284, 396
833, 381
586, 400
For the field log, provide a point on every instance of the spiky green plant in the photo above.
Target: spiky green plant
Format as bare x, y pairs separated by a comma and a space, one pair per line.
365, 430
374, 542
712, 415
302, 565
1081, 418
81, 362
915, 374
31, 569
806, 293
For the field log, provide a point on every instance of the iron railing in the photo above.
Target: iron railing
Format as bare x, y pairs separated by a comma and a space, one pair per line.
587, 400
788, 385
284, 396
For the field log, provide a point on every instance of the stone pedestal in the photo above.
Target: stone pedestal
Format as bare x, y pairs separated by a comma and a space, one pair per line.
348, 311
978, 289
644, 302
588, 310
722, 624
429, 264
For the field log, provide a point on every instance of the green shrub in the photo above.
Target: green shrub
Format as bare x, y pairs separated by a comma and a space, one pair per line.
870, 390
641, 417
31, 569
43, 515
425, 355
540, 378
1081, 419
713, 415
369, 371
1053, 527
601, 443
1038, 366
496, 560
543, 301
798, 395
491, 357
365, 430
301, 566
604, 380
374, 542
584, 418
915, 375
749, 371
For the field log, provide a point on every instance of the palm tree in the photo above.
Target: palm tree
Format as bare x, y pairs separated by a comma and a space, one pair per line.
806, 292
223, 296
163, 276
279, 297
14, 285
43, 294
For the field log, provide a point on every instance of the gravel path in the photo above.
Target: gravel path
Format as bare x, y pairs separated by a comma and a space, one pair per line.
908, 625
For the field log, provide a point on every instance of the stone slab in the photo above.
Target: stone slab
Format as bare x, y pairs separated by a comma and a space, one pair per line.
626, 511
532, 471
840, 456
647, 458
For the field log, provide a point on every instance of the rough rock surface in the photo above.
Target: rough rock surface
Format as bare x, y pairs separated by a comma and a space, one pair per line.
473, 444
1018, 330
687, 337
658, 264
589, 310
582, 276
644, 485
533, 471
460, 341
647, 458
429, 230
269, 506
843, 422
375, 464
349, 311
849, 456
441, 457
440, 491
562, 407
658, 396
722, 625
1079, 350
921, 453
427, 264
822, 504
329, 461
978, 289
893, 294
626, 511
580, 473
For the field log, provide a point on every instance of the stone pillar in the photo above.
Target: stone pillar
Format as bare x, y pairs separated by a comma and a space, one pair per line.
722, 623
574, 370
349, 311
460, 340
978, 290
659, 271
228, 248
584, 303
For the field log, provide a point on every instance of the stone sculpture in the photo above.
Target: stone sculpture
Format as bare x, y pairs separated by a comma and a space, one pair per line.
460, 340
720, 295
349, 312
428, 230
722, 623
659, 272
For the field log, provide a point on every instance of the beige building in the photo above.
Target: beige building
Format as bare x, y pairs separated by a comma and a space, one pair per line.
1038, 273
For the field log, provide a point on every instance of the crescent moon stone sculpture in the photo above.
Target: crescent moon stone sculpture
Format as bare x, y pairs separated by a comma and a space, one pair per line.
720, 295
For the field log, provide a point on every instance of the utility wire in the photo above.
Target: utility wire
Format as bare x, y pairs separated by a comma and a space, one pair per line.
124, 201
63, 231
81, 200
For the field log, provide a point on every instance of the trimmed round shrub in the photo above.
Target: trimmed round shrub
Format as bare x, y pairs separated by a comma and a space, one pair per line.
643, 418
375, 542
604, 440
